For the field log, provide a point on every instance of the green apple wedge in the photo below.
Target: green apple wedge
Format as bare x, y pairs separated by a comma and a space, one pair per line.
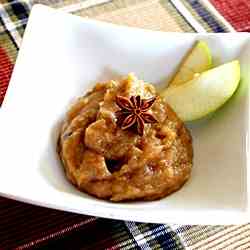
205, 93
197, 60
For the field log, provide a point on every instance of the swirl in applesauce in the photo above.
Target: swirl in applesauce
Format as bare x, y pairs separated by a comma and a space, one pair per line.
110, 163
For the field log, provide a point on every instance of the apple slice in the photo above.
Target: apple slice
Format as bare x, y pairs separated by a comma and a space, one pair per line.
197, 60
205, 93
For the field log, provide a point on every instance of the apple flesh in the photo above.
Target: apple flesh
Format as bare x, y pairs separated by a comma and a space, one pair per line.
197, 60
205, 93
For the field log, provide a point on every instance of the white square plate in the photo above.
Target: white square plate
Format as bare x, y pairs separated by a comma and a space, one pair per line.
61, 57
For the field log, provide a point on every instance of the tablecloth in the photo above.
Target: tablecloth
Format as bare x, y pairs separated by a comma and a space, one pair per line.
24, 226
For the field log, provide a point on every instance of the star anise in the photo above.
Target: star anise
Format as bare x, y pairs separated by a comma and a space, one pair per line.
134, 112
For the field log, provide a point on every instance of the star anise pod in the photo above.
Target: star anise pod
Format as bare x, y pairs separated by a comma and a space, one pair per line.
134, 112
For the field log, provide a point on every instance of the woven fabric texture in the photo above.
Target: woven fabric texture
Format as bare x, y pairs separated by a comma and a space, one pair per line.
25, 226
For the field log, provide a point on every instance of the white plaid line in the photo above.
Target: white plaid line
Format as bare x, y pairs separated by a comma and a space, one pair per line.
213, 10
10, 26
189, 17
138, 236
18, 23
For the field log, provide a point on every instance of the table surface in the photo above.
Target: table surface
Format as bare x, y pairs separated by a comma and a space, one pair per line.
24, 226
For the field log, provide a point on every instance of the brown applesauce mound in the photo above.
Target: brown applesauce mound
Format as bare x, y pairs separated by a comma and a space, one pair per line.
110, 163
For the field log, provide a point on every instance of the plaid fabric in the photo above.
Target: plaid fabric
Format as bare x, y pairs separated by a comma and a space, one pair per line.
236, 12
25, 226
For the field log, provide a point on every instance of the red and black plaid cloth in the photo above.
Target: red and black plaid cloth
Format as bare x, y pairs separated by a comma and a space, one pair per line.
24, 226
